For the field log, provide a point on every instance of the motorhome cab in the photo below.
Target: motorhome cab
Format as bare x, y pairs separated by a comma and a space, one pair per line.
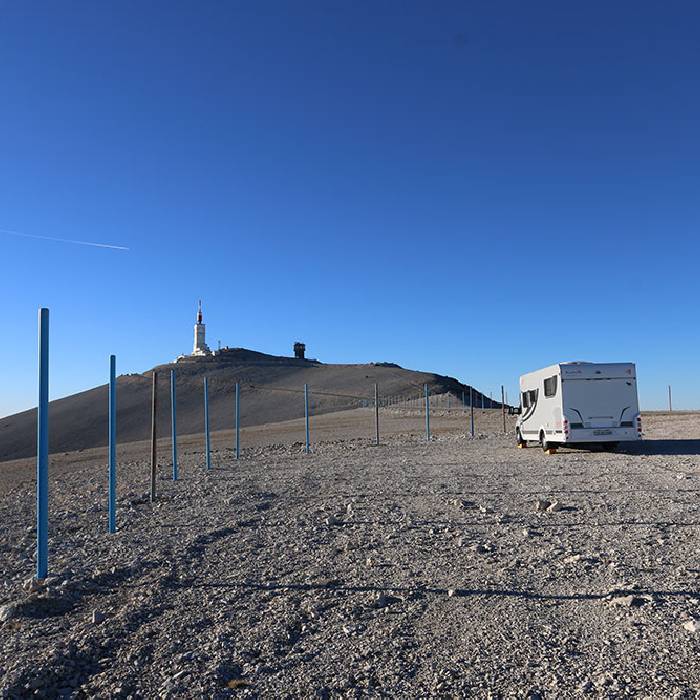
578, 403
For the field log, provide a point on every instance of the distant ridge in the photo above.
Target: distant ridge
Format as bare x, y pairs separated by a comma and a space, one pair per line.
271, 387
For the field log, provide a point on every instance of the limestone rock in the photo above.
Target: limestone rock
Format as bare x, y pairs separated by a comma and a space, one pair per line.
9, 612
692, 626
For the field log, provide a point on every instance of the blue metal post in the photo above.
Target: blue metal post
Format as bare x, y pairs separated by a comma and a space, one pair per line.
206, 423
112, 498
306, 416
42, 453
173, 422
471, 408
238, 420
427, 413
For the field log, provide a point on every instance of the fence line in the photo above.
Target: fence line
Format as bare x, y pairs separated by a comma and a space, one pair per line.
42, 484
300, 391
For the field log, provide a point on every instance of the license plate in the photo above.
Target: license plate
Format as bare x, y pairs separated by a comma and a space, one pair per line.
602, 432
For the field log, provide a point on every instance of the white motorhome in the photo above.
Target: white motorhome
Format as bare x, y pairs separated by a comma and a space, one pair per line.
578, 403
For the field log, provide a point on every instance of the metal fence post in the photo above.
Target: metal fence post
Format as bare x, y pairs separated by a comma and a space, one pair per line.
154, 448
503, 407
42, 452
206, 423
306, 417
112, 468
376, 412
427, 413
471, 408
670, 404
173, 422
238, 420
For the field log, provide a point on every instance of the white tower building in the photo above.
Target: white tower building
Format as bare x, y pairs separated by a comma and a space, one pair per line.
200, 345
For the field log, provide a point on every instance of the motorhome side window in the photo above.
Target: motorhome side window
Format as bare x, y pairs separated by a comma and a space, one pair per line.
550, 386
533, 397
526, 400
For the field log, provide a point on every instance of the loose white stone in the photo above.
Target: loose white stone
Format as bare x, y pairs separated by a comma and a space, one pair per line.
692, 626
8, 611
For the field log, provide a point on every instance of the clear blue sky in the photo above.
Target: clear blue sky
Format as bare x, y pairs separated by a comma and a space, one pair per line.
477, 189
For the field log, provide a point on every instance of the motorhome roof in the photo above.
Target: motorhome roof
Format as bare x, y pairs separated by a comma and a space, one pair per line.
590, 370
597, 369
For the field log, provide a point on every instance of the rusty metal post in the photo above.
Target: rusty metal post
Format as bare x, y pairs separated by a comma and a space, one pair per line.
306, 418
207, 440
471, 409
238, 420
427, 413
376, 413
173, 422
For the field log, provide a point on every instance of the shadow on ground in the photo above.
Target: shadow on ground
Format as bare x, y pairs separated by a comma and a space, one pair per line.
650, 447
663, 447
419, 591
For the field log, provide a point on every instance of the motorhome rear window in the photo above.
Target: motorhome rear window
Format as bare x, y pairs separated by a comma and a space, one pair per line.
550, 386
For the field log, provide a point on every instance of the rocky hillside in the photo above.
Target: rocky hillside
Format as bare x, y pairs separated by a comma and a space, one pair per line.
271, 390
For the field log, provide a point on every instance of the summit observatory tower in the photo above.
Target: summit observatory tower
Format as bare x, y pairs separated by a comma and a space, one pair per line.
200, 345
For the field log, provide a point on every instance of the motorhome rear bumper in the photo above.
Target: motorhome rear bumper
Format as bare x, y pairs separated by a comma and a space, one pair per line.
602, 435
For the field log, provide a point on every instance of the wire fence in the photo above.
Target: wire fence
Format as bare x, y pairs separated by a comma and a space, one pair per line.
419, 401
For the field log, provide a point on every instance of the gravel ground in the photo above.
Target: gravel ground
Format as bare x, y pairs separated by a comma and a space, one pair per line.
460, 568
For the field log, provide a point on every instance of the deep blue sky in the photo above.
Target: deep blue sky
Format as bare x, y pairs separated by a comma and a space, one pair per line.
478, 189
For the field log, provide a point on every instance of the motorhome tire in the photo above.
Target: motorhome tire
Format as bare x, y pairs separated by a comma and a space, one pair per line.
543, 441
519, 439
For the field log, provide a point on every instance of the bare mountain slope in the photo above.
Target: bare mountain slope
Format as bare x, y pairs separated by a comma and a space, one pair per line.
271, 391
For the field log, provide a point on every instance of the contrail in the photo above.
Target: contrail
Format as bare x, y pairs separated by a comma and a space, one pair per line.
64, 240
